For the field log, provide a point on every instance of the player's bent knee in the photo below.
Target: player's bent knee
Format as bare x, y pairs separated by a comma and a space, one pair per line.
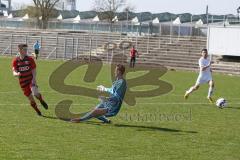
35, 91
32, 102
211, 84
31, 99
35, 95
195, 87
99, 112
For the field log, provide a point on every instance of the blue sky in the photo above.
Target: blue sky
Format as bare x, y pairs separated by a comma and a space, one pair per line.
173, 6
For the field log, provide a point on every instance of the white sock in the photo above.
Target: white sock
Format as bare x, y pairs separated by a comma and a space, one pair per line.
210, 91
190, 90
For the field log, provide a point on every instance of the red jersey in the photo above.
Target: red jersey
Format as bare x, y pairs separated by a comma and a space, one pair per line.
133, 52
24, 67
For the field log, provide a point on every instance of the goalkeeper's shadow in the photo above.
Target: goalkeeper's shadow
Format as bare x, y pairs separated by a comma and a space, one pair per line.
140, 127
49, 117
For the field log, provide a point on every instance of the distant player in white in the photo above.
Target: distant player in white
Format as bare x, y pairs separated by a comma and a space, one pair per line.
205, 76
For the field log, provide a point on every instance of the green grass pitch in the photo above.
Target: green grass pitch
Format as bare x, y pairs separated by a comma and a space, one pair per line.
192, 129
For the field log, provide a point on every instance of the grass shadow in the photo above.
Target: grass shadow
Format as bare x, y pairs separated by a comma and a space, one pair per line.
233, 107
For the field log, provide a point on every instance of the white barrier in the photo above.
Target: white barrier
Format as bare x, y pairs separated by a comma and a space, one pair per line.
224, 40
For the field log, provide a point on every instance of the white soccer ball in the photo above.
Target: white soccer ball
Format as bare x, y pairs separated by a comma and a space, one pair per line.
221, 103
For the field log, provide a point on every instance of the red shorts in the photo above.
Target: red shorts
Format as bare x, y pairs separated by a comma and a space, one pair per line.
27, 91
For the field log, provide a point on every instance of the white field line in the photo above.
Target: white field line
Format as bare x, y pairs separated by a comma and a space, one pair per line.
88, 104
176, 95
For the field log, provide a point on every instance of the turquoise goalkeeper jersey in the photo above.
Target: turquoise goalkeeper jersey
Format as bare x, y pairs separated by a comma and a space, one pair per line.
117, 91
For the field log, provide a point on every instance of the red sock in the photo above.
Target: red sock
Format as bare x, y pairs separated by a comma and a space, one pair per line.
34, 106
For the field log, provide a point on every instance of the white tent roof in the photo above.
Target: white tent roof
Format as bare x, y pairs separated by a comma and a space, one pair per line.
60, 17
135, 20
96, 19
10, 15
25, 17
177, 21
156, 21
199, 22
115, 19
40, 18
77, 19
226, 23
5, 13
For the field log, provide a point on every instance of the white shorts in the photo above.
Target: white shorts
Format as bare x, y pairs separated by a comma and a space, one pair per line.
34, 90
203, 79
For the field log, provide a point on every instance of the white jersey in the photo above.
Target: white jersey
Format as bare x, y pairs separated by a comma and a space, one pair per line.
203, 63
206, 75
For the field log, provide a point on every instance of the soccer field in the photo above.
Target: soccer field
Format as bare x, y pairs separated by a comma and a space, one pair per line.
163, 127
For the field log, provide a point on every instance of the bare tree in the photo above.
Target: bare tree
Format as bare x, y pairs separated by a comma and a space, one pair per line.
44, 9
107, 8
129, 8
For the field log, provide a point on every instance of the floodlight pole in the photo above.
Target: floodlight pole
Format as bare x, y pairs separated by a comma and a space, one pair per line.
207, 13
9, 5
238, 11
191, 24
140, 30
1, 6
127, 19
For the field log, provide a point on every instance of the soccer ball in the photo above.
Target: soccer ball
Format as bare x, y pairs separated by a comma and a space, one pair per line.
221, 103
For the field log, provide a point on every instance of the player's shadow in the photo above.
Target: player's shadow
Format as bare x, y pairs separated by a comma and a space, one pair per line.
138, 127
141, 127
49, 117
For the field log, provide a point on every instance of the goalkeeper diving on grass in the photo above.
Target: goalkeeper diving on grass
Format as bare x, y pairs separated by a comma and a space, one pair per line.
111, 105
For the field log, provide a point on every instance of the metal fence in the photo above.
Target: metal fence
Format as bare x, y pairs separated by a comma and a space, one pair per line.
120, 27
74, 45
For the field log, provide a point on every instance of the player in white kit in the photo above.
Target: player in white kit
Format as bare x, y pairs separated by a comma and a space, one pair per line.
205, 76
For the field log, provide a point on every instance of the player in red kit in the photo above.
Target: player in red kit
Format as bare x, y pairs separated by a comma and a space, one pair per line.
133, 55
24, 67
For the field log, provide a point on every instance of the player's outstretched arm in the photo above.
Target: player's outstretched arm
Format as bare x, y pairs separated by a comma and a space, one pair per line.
15, 73
101, 88
205, 67
14, 68
118, 90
